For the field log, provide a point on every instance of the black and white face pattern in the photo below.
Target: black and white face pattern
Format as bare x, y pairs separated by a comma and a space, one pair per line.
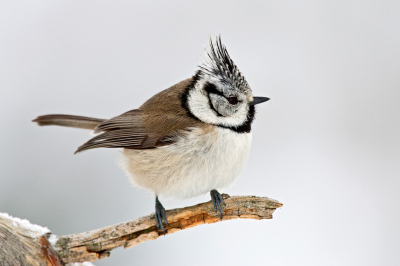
220, 95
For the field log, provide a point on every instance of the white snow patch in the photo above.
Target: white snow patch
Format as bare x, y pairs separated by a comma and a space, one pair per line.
86, 263
53, 239
33, 230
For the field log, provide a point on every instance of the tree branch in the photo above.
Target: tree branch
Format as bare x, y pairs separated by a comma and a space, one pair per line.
22, 243
96, 244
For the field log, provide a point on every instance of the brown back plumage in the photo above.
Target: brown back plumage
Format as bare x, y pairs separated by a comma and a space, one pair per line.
158, 122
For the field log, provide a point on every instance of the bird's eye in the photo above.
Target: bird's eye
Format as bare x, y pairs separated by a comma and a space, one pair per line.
233, 100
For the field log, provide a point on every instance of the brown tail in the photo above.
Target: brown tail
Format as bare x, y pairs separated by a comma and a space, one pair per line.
68, 121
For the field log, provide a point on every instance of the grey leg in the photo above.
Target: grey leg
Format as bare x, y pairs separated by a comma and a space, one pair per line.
160, 215
217, 200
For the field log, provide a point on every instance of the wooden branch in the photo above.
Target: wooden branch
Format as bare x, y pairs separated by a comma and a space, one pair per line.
97, 244
22, 243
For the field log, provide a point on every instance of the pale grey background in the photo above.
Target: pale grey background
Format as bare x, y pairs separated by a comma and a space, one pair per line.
327, 145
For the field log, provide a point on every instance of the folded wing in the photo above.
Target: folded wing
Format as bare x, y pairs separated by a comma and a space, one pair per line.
137, 130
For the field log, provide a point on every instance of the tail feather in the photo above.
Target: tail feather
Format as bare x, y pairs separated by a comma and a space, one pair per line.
68, 121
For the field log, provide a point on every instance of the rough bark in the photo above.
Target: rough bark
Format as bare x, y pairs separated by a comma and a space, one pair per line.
21, 248
97, 244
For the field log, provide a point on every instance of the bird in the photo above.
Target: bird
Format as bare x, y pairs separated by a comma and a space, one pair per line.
190, 139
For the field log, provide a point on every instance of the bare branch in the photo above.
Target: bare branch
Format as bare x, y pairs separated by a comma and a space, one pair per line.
97, 244
23, 243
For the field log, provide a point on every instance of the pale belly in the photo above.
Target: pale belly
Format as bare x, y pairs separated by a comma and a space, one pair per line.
196, 164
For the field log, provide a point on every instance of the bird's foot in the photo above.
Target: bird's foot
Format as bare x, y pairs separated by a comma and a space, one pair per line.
160, 216
217, 200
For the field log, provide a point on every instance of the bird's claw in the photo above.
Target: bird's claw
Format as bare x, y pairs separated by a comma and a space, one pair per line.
160, 216
217, 200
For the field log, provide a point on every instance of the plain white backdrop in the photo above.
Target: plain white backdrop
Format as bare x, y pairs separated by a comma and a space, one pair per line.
327, 145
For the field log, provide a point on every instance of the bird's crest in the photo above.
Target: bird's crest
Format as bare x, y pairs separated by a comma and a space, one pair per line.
218, 64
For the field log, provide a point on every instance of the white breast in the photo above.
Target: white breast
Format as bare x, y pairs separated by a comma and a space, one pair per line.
199, 162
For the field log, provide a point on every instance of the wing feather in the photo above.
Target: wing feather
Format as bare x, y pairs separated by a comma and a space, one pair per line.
119, 138
160, 121
130, 119
136, 130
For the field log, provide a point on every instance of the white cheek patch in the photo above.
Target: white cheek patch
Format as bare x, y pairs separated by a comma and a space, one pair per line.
199, 106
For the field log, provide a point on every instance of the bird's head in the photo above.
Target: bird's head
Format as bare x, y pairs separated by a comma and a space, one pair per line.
220, 94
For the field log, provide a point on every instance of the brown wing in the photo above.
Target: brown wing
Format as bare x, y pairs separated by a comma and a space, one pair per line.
158, 122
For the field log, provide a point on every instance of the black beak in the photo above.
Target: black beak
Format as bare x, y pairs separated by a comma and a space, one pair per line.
258, 100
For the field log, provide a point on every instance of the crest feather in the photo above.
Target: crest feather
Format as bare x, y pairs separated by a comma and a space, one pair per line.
218, 64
